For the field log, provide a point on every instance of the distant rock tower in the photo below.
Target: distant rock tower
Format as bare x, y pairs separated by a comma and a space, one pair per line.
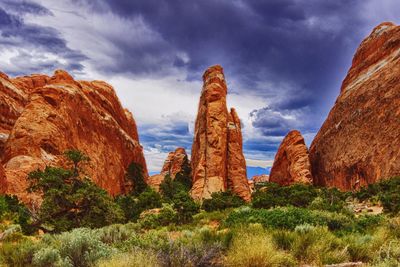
217, 159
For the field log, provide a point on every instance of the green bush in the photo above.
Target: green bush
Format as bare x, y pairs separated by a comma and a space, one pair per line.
47, 257
221, 201
80, 247
289, 218
18, 254
185, 207
387, 192
166, 216
298, 195
13, 233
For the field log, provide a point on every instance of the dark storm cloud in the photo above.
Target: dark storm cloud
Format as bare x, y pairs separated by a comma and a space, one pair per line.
285, 51
34, 42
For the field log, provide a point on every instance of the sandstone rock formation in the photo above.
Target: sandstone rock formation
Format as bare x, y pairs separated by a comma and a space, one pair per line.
358, 143
41, 117
174, 164
292, 162
217, 159
263, 178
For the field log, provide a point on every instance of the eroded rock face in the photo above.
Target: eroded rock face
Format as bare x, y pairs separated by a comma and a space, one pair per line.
52, 114
173, 165
217, 159
263, 178
358, 143
175, 161
237, 172
292, 162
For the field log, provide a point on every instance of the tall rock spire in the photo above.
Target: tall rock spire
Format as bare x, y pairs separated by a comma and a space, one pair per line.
218, 163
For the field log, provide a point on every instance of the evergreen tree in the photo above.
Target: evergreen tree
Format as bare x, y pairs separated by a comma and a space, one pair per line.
71, 201
135, 175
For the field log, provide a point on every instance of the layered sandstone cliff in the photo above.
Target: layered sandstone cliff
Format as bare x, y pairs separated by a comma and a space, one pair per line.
43, 116
217, 159
174, 164
292, 162
358, 143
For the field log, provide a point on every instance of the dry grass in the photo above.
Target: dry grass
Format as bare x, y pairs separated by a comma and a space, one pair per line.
252, 247
135, 258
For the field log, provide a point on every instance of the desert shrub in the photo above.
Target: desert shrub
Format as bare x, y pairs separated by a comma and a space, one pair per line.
114, 234
134, 258
316, 245
289, 218
298, 195
18, 254
190, 254
205, 218
387, 192
365, 222
153, 239
253, 247
221, 201
12, 233
80, 247
330, 199
166, 216
185, 207
201, 247
47, 257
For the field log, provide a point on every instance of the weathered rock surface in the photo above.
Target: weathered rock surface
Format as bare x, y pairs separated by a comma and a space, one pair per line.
44, 116
358, 143
172, 165
292, 162
263, 178
175, 162
217, 159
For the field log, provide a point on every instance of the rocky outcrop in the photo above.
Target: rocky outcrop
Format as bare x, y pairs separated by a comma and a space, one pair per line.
217, 159
292, 162
237, 173
175, 163
47, 115
358, 143
263, 178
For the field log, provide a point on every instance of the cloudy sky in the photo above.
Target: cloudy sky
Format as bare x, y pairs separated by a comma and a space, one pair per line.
284, 60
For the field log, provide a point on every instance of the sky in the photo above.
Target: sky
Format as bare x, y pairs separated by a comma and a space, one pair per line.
284, 60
